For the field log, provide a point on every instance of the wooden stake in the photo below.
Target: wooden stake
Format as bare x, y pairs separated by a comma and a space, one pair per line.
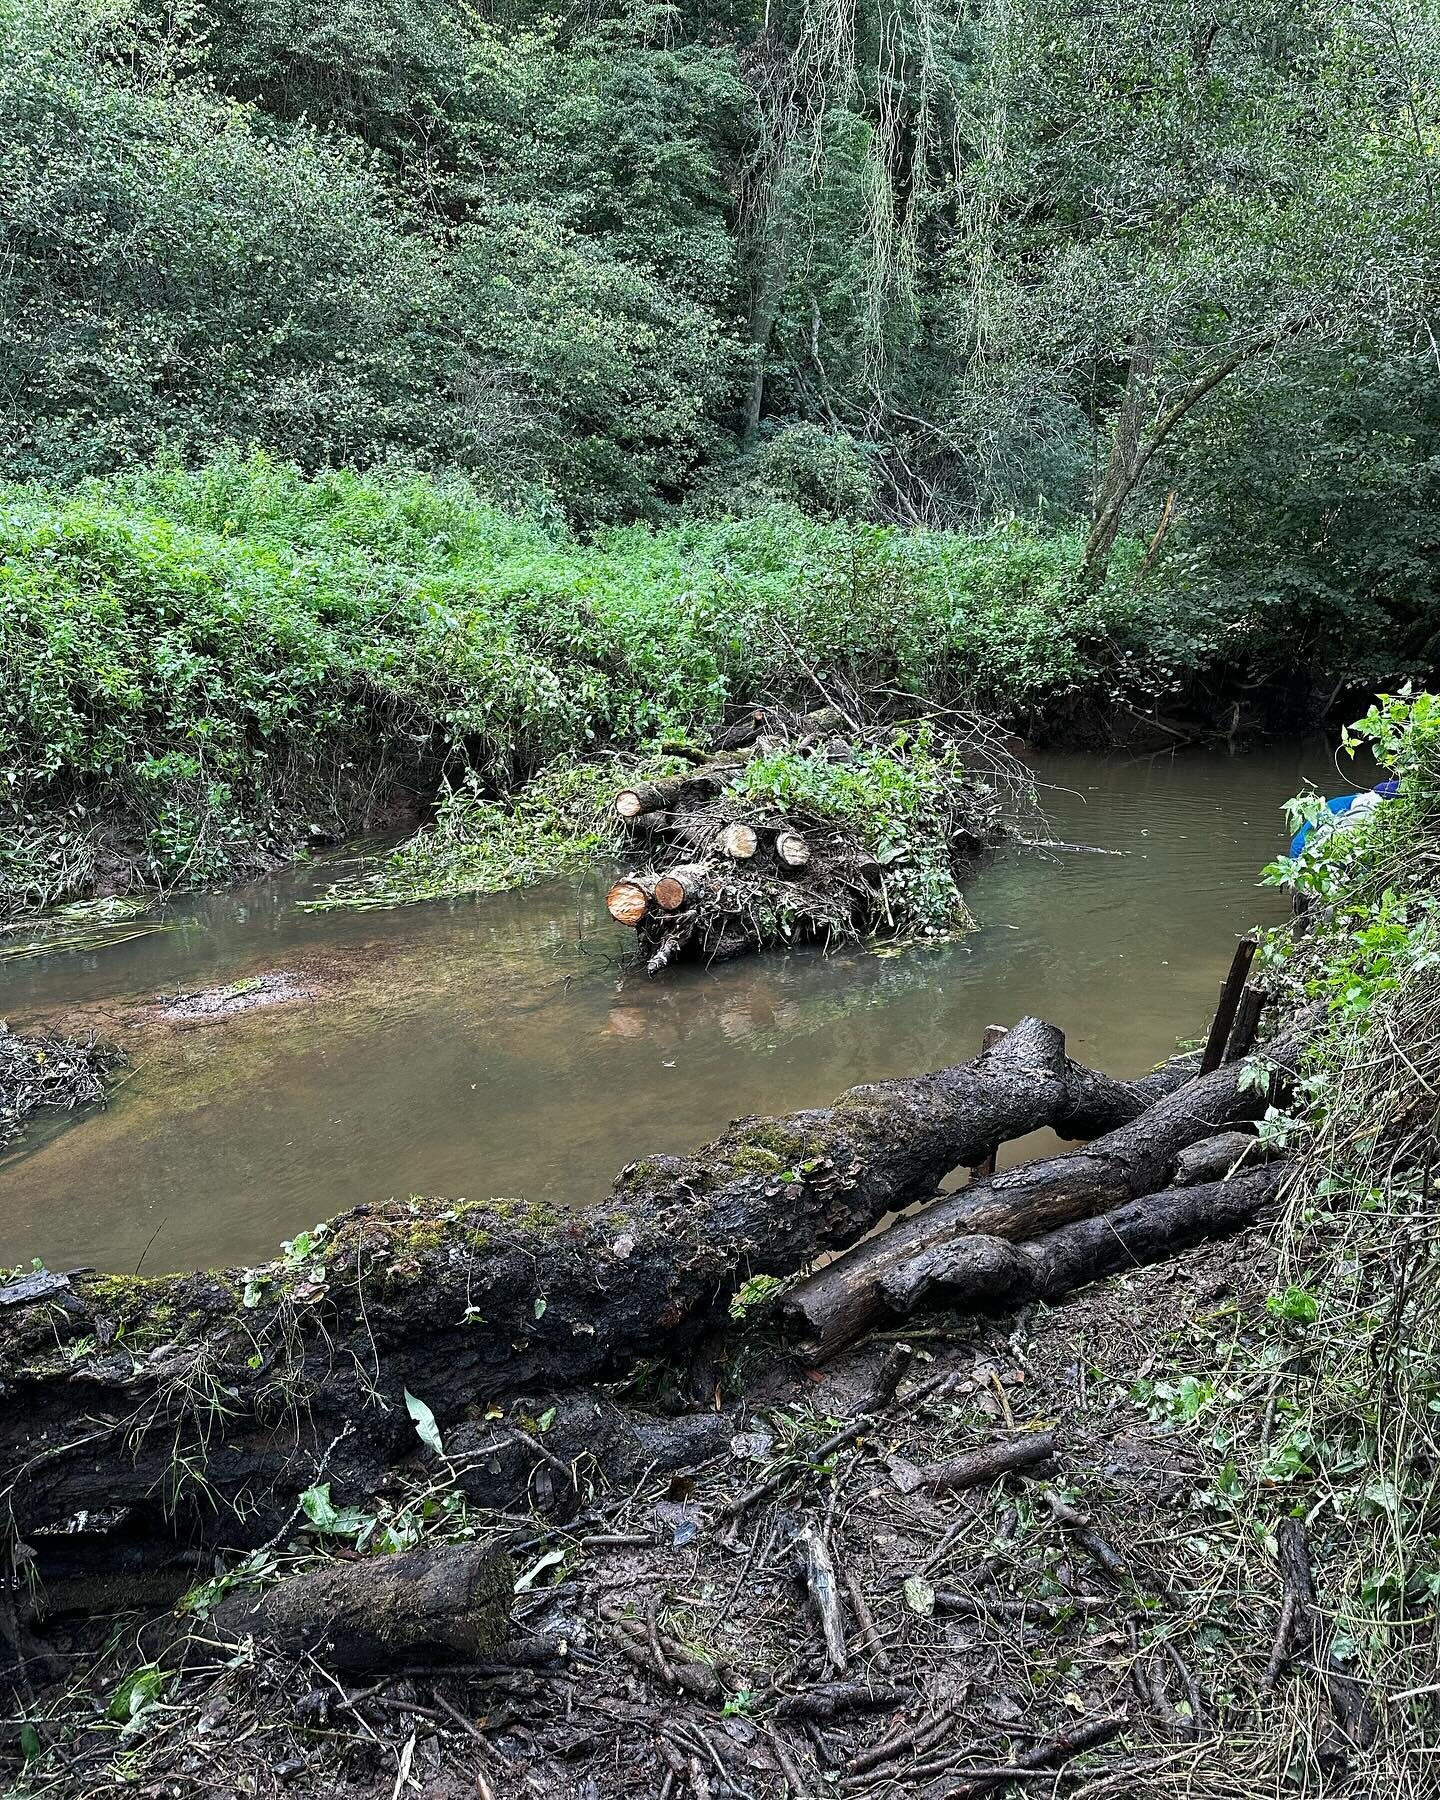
1230, 992
1247, 1023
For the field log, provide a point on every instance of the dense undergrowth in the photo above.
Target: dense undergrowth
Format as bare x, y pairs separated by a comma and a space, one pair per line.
1327, 1408
198, 666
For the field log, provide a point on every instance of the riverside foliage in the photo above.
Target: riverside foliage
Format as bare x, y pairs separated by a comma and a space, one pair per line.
198, 666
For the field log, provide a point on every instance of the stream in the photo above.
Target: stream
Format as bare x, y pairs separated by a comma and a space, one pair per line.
495, 1046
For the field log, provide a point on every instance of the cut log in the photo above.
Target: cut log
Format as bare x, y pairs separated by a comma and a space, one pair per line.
659, 796
840, 1300
677, 887
443, 1298
990, 1271
739, 842
444, 1602
792, 850
629, 899
655, 824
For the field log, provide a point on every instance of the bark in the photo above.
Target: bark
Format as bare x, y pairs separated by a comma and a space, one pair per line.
444, 1602
191, 1415
1136, 1158
989, 1271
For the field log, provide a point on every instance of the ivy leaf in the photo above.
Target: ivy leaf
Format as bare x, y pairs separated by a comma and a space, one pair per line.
425, 1426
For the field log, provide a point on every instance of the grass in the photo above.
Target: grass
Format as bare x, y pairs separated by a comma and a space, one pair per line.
199, 665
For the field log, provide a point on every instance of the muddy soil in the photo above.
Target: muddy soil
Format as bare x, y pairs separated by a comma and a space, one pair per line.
666, 1643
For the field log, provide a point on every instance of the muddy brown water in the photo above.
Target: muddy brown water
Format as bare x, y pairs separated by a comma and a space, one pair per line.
495, 1047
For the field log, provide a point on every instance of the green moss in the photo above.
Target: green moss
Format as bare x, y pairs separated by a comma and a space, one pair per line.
641, 1176
754, 1159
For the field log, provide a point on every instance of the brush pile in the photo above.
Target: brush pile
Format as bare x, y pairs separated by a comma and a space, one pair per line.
806, 828
47, 1070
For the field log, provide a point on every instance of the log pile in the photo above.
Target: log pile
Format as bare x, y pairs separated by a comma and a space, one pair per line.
717, 874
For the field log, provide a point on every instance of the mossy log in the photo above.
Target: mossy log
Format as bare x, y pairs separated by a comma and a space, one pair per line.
199, 1406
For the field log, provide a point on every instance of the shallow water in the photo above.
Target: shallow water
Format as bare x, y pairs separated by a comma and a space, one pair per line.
494, 1047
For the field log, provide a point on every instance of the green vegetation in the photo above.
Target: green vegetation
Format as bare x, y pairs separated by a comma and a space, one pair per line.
1327, 1405
878, 259
200, 665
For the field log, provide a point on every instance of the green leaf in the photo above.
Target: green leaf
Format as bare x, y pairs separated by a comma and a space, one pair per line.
425, 1426
29, 1742
540, 1306
138, 1690
324, 1515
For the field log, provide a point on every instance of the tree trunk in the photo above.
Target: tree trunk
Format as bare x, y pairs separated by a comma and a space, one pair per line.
198, 1406
841, 1300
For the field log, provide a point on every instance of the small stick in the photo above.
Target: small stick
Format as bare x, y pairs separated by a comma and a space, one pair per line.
1040, 1760
824, 1588
789, 1768
652, 1632
870, 1639
987, 1465
1280, 1649
1085, 1535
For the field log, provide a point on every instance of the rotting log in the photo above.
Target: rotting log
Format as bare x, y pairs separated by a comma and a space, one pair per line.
990, 1271
1138, 1157
441, 1603
197, 1407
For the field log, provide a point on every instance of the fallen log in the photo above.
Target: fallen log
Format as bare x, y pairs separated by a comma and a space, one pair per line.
792, 850
679, 886
443, 1602
109, 1390
839, 1301
629, 899
989, 1271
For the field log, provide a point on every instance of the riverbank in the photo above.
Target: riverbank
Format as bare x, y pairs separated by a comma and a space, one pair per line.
209, 672
1210, 1560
